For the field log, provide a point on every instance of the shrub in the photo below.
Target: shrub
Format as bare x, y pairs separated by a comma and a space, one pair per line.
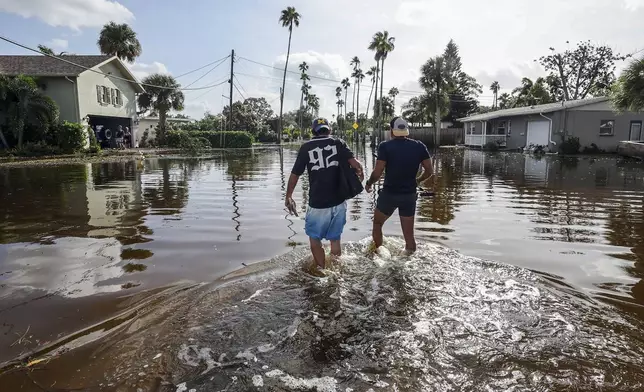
491, 146
94, 147
267, 137
39, 149
68, 137
570, 146
231, 139
592, 149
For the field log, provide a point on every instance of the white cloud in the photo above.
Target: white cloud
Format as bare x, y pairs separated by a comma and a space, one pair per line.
141, 70
58, 44
74, 14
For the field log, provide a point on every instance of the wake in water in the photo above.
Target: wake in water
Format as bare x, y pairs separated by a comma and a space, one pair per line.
435, 320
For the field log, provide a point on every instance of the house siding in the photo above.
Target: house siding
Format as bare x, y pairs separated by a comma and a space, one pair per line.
63, 92
89, 105
518, 133
585, 125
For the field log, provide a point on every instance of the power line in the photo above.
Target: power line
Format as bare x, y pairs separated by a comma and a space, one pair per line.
200, 68
209, 71
99, 72
240, 85
240, 93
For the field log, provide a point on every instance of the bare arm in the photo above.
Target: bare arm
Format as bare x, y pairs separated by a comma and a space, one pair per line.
428, 171
376, 174
357, 166
292, 182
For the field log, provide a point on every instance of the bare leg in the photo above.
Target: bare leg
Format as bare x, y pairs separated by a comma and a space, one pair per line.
318, 252
379, 219
407, 224
336, 248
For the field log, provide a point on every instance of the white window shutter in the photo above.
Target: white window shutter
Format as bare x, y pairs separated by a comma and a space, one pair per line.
99, 94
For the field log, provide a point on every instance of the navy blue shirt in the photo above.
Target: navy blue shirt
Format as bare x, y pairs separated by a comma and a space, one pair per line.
321, 158
403, 157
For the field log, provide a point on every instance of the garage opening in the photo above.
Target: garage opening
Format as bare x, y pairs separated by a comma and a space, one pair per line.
538, 133
107, 133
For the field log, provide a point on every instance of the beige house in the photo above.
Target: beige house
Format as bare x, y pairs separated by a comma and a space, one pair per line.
149, 124
87, 96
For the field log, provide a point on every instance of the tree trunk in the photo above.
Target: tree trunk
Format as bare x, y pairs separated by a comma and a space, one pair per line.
353, 99
375, 99
382, 79
288, 54
300, 111
20, 125
162, 127
357, 112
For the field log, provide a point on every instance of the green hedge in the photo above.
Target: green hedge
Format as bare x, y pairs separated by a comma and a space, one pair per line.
232, 139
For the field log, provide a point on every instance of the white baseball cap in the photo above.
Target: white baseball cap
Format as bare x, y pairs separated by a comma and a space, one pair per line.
399, 127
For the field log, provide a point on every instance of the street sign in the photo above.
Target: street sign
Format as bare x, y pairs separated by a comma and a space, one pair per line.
355, 125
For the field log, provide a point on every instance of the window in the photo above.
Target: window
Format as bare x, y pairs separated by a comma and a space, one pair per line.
606, 127
119, 98
105, 95
472, 128
500, 128
635, 133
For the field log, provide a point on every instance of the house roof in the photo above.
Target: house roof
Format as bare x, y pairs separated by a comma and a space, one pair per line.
546, 108
45, 66
169, 119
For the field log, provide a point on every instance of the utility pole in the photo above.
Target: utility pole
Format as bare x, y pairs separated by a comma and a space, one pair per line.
232, 70
437, 118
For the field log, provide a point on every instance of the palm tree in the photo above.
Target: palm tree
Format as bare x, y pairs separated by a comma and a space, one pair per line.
373, 72
338, 94
24, 104
382, 44
435, 80
392, 93
304, 77
345, 84
495, 87
314, 103
358, 76
355, 63
289, 18
628, 92
161, 99
119, 40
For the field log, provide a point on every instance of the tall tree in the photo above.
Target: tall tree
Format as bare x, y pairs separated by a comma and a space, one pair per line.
387, 107
373, 72
462, 89
355, 63
345, 85
628, 92
531, 93
338, 94
24, 104
383, 44
505, 101
46, 50
161, 99
119, 40
314, 104
289, 18
495, 87
358, 76
435, 79
304, 77
393, 92
588, 70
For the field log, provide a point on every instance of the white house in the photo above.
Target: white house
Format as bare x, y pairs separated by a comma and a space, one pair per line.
84, 96
149, 124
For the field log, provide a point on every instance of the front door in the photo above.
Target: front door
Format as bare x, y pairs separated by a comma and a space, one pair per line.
635, 133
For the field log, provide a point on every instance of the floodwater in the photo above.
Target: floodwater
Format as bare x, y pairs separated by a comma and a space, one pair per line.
188, 275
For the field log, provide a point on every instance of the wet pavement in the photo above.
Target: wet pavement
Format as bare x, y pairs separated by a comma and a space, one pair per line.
126, 276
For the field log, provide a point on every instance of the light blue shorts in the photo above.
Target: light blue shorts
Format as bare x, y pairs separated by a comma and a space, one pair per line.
326, 223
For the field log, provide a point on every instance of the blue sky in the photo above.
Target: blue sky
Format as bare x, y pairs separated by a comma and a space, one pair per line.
499, 39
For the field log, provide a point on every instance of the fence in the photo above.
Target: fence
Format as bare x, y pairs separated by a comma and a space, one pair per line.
449, 136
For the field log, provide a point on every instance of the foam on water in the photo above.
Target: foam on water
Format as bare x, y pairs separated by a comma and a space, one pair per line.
434, 320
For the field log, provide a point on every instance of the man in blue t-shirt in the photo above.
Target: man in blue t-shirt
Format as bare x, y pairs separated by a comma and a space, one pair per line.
327, 212
400, 159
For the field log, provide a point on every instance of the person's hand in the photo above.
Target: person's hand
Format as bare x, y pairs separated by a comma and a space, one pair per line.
289, 203
367, 187
360, 174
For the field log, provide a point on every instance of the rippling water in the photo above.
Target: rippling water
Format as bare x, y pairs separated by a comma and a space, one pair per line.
111, 250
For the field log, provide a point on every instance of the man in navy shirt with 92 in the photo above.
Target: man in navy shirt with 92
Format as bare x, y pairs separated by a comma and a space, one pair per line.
401, 157
327, 212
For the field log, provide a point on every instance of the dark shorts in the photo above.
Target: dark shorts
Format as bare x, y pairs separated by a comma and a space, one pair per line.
404, 202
